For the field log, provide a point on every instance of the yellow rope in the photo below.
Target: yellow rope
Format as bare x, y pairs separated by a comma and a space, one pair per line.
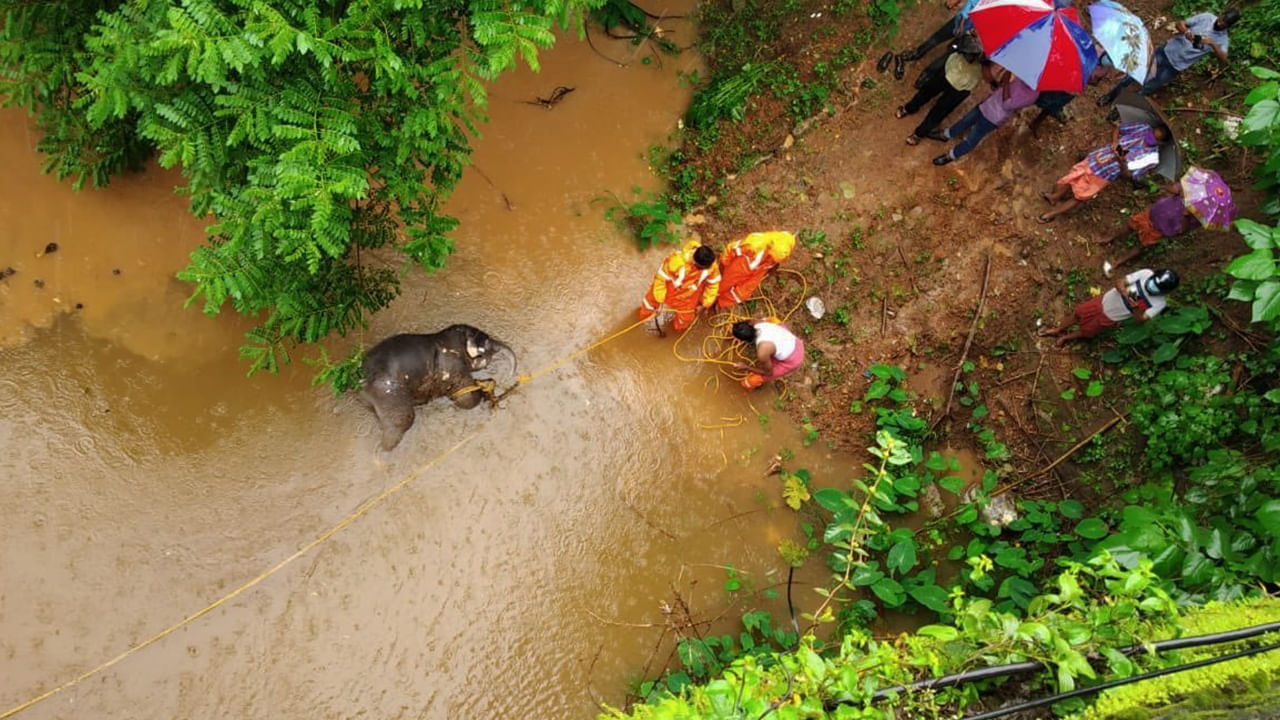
364, 508
523, 379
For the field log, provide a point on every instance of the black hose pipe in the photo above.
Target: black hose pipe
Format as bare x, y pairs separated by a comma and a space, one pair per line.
1033, 704
969, 676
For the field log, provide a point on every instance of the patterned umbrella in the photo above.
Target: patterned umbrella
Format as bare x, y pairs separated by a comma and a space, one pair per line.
1208, 198
1123, 36
1042, 44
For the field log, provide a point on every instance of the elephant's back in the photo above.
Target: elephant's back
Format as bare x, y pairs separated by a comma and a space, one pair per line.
403, 354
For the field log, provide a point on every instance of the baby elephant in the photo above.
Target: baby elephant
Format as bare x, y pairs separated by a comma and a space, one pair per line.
407, 370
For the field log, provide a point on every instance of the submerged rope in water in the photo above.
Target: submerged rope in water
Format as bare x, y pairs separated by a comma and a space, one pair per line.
319, 539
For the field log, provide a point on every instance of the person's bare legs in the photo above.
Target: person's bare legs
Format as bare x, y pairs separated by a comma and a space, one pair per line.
1130, 255
1120, 231
1059, 209
1057, 194
1069, 337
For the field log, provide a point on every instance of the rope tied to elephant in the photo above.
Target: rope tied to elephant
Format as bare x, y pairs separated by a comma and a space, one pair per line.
365, 507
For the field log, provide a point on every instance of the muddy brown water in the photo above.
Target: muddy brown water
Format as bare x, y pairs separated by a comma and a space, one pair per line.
145, 476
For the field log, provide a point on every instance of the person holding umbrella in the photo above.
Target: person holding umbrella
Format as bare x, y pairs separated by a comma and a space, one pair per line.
1134, 149
1199, 199
1197, 36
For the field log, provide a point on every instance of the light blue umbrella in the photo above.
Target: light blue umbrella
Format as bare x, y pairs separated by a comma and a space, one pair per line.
1123, 36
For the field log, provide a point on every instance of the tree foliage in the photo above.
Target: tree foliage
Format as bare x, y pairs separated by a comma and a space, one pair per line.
307, 130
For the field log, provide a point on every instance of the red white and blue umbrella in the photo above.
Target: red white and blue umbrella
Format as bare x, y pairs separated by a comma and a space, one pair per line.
1044, 45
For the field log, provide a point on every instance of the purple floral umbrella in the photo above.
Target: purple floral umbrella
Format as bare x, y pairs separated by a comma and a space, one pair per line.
1208, 198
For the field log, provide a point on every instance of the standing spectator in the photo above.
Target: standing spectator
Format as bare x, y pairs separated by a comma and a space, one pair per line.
1009, 96
1134, 149
950, 78
1197, 36
1138, 295
1165, 218
948, 31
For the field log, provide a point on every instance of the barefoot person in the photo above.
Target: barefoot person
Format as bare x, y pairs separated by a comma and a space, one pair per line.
1165, 218
1134, 150
778, 351
1138, 295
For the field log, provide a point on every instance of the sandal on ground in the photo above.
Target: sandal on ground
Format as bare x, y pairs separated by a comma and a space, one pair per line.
942, 159
884, 61
936, 134
913, 140
901, 112
899, 67
1043, 220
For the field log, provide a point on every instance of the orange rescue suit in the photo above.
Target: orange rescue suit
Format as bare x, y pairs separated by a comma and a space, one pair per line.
681, 285
745, 262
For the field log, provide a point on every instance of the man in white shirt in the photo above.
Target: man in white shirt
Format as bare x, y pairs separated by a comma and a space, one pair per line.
778, 351
1197, 36
1139, 295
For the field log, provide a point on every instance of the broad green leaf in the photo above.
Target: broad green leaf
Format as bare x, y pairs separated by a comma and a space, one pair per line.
1073, 509
1094, 389
902, 556
1257, 265
1165, 352
832, 499
1256, 235
1196, 569
1082, 373
1091, 528
930, 596
1263, 73
1266, 301
945, 633
1268, 517
890, 592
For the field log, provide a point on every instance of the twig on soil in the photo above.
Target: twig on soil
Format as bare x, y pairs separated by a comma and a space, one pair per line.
1074, 449
1231, 325
884, 314
1019, 376
973, 328
910, 275
1213, 111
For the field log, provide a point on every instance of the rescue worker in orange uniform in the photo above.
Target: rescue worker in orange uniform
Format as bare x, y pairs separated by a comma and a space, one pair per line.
687, 279
745, 262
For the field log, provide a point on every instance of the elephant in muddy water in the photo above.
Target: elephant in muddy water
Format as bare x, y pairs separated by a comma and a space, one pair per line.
403, 371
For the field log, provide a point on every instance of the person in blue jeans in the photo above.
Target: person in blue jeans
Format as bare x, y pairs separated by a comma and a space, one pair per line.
1197, 36
1009, 96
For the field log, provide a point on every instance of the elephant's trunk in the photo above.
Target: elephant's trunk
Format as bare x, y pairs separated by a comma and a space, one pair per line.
501, 366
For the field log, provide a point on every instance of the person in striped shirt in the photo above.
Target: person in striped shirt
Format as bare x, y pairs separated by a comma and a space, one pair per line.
1134, 150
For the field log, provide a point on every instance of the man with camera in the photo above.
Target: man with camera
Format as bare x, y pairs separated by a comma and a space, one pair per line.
1197, 36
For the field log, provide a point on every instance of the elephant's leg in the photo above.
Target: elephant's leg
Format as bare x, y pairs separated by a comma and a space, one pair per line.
395, 414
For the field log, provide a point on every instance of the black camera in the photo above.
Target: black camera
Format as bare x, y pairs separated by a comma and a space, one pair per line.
1197, 41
